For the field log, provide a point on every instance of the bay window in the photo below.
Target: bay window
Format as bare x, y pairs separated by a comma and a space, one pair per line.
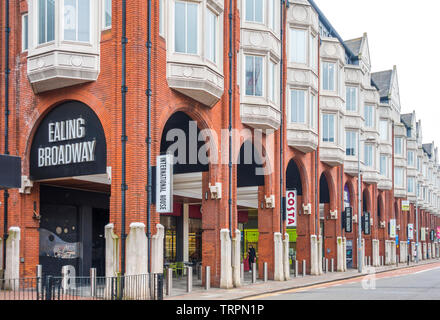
211, 35
328, 125
46, 21
254, 11
329, 76
369, 116
298, 46
76, 20
350, 143
185, 33
254, 76
297, 103
352, 98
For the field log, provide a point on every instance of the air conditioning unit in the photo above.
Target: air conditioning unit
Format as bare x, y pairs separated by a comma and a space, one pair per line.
216, 190
334, 215
307, 209
270, 202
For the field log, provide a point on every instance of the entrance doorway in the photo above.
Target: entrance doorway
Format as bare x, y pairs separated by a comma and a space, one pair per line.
72, 230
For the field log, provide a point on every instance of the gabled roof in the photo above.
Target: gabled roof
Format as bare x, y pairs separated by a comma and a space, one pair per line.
383, 82
427, 147
407, 119
354, 45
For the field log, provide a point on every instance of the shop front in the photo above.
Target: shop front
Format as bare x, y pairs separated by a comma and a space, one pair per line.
68, 160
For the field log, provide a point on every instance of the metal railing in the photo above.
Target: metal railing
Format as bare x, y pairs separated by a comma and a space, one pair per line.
129, 287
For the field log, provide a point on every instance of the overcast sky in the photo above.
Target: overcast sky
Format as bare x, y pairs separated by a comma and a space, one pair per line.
404, 33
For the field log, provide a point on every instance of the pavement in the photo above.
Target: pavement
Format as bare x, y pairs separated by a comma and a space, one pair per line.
251, 291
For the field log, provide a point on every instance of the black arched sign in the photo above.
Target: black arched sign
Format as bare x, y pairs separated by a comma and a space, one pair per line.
69, 142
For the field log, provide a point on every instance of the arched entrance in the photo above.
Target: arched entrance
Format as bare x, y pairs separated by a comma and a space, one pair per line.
250, 182
295, 188
68, 159
181, 137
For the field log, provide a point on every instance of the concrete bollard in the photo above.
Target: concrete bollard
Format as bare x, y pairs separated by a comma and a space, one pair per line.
296, 268
242, 272
332, 265
254, 272
326, 265
397, 260
169, 281
207, 278
369, 261
189, 282
265, 271
92, 282
304, 268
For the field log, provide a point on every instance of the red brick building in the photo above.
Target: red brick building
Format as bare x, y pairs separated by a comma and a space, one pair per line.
70, 76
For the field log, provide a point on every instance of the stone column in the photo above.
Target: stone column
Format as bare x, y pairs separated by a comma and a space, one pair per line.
225, 260
286, 259
157, 250
314, 268
340, 255
12, 271
111, 251
278, 257
236, 261
136, 257
320, 256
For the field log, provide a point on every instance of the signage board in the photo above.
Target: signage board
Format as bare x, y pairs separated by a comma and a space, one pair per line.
366, 223
69, 142
422, 234
432, 235
392, 228
411, 231
438, 233
405, 205
10, 172
164, 183
348, 220
291, 208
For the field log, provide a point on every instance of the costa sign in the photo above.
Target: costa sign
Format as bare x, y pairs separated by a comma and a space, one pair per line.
291, 208
69, 142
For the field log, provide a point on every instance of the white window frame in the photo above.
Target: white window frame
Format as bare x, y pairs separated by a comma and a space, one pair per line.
398, 151
410, 163
25, 32
186, 28
77, 23
313, 52
208, 38
263, 72
324, 115
272, 82
383, 157
411, 184
399, 177
104, 8
381, 122
45, 42
162, 18
335, 76
304, 107
263, 12
294, 45
368, 155
367, 124
349, 92
353, 141
312, 114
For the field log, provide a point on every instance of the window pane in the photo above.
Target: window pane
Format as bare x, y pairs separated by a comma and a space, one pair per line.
70, 20
329, 76
259, 11
258, 76
41, 21
50, 20
383, 165
351, 99
108, 13
180, 27
192, 28
25, 32
369, 117
383, 130
84, 20
298, 46
249, 75
249, 10
211, 29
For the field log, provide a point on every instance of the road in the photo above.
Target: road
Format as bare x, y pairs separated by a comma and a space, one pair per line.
418, 283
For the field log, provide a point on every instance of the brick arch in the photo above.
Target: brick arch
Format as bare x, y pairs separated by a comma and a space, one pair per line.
303, 176
331, 188
57, 99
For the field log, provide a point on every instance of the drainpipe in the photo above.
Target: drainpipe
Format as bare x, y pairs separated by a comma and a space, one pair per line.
230, 115
282, 3
149, 93
6, 193
124, 138
318, 114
